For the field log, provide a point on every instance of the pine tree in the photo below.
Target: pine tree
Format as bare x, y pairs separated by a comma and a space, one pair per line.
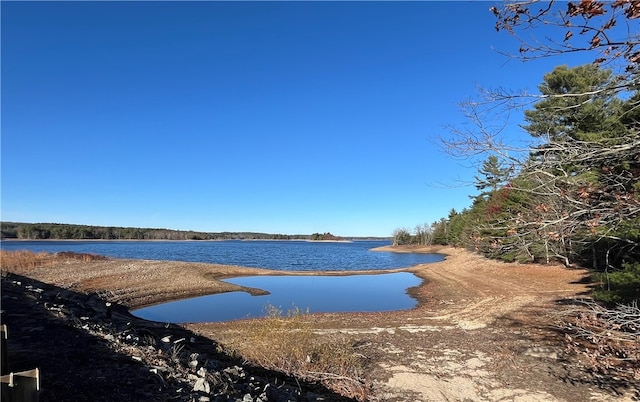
492, 176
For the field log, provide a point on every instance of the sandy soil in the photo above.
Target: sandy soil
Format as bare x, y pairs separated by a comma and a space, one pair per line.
483, 330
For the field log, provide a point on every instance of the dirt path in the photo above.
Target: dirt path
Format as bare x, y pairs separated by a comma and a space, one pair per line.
482, 330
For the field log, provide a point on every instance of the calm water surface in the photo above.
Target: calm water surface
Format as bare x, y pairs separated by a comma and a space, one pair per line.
281, 255
384, 292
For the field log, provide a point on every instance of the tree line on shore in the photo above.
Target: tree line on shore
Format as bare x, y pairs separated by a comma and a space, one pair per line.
63, 231
37, 231
574, 197
572, 193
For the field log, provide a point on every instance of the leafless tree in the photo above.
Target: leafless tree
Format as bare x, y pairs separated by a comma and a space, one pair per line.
605, 29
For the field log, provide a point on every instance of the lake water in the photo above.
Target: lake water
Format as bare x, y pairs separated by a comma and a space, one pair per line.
383, 292
280, 255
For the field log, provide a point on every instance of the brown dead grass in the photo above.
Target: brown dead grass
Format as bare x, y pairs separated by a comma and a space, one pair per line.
286, 342
134, 283
28, 260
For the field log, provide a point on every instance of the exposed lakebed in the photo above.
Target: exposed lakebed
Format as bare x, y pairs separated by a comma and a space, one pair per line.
382, 292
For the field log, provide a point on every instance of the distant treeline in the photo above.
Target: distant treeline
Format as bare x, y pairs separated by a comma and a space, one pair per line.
37, 231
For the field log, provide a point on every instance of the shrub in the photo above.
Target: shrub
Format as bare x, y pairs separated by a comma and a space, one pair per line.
621, 286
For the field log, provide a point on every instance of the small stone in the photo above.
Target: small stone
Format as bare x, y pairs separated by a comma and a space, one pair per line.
545, 352
202, 372
201, 385
262, 398
247, 398
166, 339
235, 371
159, 368
34, 289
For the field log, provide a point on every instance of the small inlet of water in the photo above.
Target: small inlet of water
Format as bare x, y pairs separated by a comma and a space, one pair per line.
354, 293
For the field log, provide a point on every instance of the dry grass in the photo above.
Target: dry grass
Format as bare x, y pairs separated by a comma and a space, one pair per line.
286, 342
23, 260
27, 260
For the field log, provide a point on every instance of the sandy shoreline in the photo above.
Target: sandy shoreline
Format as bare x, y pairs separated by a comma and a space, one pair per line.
471, 336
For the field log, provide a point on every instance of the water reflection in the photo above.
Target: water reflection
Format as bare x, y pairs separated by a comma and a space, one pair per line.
384, 292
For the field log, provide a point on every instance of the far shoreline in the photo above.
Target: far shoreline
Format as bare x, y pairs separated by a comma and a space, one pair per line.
191, 240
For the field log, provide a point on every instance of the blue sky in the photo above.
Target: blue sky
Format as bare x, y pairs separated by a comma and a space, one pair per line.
277, 117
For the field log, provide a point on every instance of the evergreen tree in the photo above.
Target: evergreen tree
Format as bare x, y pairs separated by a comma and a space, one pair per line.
492, 176
576, 105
